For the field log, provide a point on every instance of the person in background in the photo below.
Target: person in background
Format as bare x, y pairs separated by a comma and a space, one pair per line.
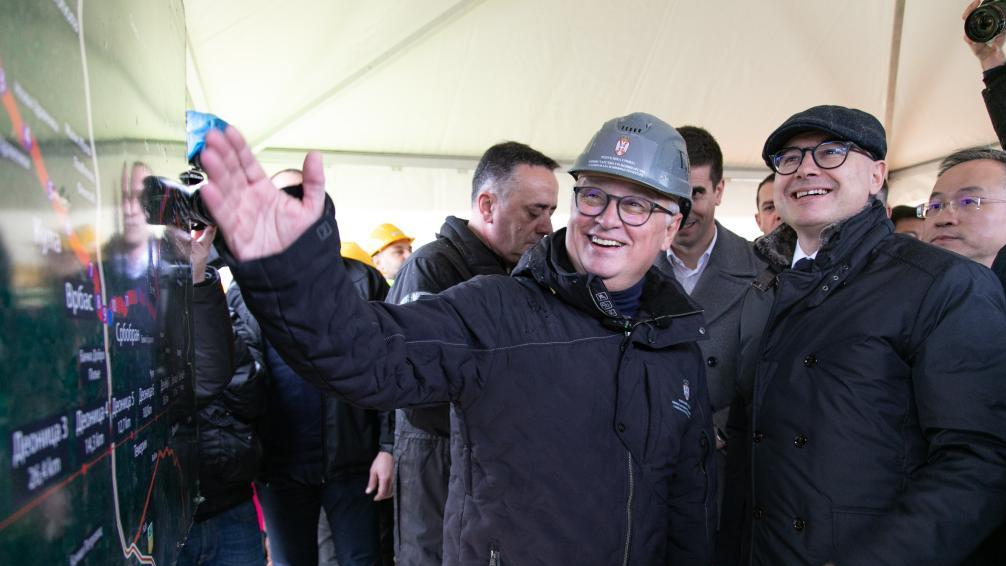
766, 216
906, 221
352, 250
321, 453
514, 193
230, 388
716, 268
389, 247
966, 212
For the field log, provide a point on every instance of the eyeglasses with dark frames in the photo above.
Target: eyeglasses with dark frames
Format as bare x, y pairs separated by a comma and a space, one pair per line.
827, 155
632, 210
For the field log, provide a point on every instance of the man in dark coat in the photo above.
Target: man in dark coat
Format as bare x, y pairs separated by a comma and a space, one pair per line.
582, 431
878, 433
514, 193
230, 389
716, 268
324, 458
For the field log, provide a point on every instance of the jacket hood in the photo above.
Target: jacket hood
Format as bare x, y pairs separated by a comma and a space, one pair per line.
548, 264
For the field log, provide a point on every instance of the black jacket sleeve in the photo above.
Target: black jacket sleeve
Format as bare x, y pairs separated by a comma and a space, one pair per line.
372, 286
213, 338
309, 311
955, 498
369, 283
995, 100
425, 275
230, 392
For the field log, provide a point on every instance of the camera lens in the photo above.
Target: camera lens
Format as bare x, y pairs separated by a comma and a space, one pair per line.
985, 23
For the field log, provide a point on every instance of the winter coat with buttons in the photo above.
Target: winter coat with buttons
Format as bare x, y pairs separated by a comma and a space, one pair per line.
878, 398
581, 437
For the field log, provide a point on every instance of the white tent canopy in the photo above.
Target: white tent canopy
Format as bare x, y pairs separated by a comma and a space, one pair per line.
404, 96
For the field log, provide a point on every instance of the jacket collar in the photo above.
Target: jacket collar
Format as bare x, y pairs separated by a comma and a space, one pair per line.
548, 264
846, 241
474, 251
732, 254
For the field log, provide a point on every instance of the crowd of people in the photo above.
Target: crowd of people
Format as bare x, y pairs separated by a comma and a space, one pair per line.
642, 386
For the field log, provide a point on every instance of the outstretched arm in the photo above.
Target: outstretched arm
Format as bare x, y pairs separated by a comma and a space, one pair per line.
256, 220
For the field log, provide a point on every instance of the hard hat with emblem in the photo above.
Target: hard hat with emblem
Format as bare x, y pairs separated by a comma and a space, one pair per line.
385, 235
352, 250
643, 149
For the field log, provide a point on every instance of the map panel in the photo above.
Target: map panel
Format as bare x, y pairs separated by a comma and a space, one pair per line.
96, 403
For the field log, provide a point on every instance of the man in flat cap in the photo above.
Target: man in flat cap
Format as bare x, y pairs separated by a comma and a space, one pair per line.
878, 380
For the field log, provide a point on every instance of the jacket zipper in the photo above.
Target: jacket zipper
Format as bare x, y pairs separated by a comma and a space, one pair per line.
324, 439
628, 513
494, 556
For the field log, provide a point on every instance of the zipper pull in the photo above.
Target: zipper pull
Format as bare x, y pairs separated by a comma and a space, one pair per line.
494, 557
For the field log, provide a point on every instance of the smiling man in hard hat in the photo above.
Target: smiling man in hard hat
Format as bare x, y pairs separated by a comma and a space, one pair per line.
582, 431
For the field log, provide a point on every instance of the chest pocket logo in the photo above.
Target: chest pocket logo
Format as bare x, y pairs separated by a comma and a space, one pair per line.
681, 405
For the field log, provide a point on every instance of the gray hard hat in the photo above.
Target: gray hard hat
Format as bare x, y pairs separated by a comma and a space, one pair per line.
644, 149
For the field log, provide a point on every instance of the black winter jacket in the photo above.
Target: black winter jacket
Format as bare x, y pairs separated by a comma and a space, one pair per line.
995, 100
310, 436
230, 396
879, 402
455, 256
582, 438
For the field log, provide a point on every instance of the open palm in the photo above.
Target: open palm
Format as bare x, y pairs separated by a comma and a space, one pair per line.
255, 218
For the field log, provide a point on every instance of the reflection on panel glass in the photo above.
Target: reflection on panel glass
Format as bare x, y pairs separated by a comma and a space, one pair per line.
95, 327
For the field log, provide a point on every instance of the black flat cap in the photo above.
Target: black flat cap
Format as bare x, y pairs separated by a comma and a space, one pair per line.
845, 124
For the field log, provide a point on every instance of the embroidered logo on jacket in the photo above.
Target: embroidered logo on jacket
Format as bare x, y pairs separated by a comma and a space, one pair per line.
682, 404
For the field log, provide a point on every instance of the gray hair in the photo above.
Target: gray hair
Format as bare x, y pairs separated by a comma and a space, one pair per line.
971, 154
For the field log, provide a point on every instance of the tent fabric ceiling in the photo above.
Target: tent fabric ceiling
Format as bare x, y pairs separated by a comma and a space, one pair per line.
451, 77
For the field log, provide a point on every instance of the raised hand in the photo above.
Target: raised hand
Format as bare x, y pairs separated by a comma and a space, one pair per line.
990, 55
255, 218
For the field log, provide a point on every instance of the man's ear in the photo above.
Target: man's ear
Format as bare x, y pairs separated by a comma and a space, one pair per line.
718, 191
877, 176
486, 203
670, 231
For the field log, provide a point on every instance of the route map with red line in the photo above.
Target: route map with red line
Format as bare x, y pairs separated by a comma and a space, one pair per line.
96, 403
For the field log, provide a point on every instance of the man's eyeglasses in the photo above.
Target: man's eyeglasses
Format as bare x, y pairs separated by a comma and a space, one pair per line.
632, 210
827, 155
963, 204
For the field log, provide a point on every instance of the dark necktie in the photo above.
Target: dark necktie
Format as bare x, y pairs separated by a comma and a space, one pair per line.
805, 264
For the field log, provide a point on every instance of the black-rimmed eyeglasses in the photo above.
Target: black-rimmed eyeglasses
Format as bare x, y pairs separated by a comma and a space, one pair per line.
632, 210
827, 155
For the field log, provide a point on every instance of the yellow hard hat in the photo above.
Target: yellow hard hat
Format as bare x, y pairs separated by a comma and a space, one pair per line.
385, 235
353, 250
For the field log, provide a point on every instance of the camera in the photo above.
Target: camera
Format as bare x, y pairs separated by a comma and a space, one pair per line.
986, 21
168, 203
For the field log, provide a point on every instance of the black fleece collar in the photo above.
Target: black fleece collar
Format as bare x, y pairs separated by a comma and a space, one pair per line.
548, 264
843, 241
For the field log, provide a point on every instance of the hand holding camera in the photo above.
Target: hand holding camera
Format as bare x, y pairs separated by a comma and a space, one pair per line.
984, 23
